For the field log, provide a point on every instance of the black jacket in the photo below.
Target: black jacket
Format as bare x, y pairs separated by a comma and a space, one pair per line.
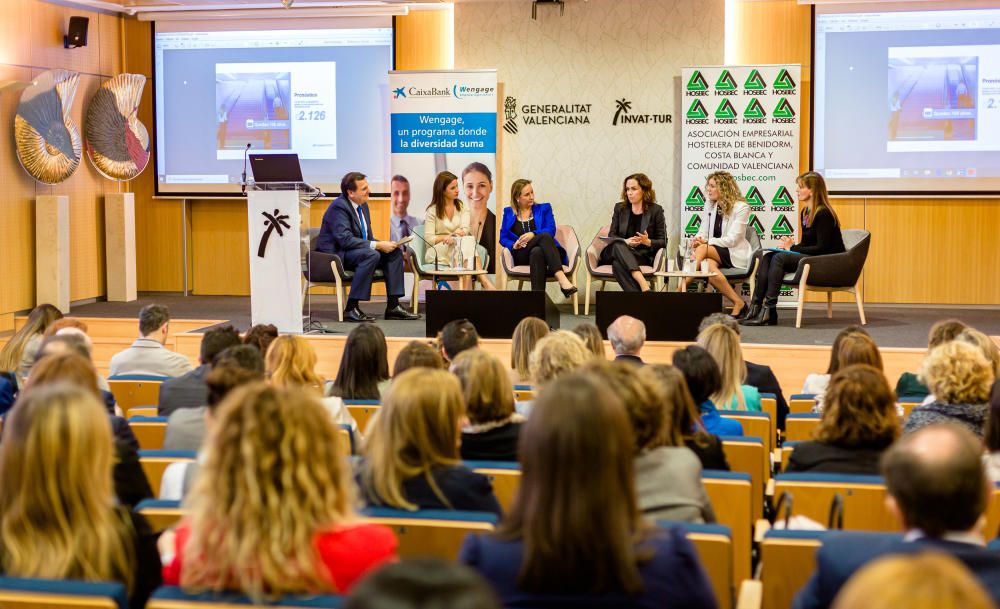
653, 224
498, 444
817, 457
188, 391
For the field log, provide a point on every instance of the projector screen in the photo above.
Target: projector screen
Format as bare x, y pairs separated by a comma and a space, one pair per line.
907, 101
320, 93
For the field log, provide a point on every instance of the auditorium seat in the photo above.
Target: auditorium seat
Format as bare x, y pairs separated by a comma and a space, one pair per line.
786, 453
155, 462
993, 514
29, 593
801, 403
172, 597
769, 404
800, 427
523, 393
142, 411
346, 436
746, 454
149, 431
713, 543
863, 499
160, 514
505, 476
567, 238
362, 411
759, 424
436, 533
731, 496
130, 391
787, 560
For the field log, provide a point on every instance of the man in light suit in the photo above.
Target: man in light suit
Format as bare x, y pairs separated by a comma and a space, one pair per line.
148, 355
347, 232
190, 390
939, 491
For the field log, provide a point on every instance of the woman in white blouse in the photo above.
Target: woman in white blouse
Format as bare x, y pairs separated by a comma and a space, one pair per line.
722, 238
446, 226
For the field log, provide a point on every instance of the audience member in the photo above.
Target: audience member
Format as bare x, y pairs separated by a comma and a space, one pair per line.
493, 426
859, 423
985, 344
555, 354
591, 336
526, 336
959, 378
930, 580
65, 322
703, 379
131, 485
261, 336
851, 346
417, 354
187, 427
457, 336
991, 437
908, 385
667, 474
723, 344
574, 536
364, 365
423, 583
272, 507
147, 355
411, 455
58, 515
189, 390
291, 362
18, 355
627, 335
683, 426
73, 340
758, 375
938, 491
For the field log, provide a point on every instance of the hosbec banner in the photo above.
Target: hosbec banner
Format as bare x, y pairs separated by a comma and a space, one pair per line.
744, 120
446, 120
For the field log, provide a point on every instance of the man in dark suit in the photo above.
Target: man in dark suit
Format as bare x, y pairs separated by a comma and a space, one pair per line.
347, 232
938, 490
627, 335
189, 390
758, 375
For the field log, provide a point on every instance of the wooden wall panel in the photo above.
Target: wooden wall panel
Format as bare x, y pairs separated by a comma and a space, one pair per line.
220, 248
425, 40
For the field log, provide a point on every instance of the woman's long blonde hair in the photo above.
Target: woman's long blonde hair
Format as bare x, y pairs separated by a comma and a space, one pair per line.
291, 362
38, 321
526, 335
723, 344
272, 479
415, 431
729, 191
57, 514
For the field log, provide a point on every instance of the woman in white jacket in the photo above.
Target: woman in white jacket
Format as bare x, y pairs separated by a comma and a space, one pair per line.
722, 238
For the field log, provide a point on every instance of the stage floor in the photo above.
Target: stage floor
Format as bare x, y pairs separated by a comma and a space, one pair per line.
889, 325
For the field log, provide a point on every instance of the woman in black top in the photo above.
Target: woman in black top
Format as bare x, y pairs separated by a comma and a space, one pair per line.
820, 235
640, 228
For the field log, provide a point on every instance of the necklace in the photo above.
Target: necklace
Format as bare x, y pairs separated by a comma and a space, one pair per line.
525, 224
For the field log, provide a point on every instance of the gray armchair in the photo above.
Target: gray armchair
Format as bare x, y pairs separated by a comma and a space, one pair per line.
833, 273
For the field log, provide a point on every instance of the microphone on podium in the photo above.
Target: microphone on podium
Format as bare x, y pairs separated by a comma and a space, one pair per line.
243, 180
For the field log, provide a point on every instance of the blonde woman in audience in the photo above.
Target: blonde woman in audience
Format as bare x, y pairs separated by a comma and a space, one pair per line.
991, 437
555, 354
852, 346
985, 344
859, 422
58, 515
417, 354
667, 473
591, 336
493, 426
526, 336
959, 377
724, 346
18, 355
908, 385
411, 455
929, 580
575, 536
291, 362
271, 512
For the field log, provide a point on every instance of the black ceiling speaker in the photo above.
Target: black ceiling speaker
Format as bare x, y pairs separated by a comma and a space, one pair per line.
77, 35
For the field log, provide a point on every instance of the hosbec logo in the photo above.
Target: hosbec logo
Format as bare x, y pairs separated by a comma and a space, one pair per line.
754, 113
783, 112
696, 86
726, 85
754, 84
755, 224
782, 227
695, 200
696, 114
782, 199
693, 225
622, 115
783, 84
755, 200
725, 114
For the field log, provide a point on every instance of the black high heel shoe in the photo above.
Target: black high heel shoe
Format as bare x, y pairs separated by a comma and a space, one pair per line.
568, 292
750, 313
743, 312
768, 317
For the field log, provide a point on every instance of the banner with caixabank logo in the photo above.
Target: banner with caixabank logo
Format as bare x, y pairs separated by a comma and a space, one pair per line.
744, 120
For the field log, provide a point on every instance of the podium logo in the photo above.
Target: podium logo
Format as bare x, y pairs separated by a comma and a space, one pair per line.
755, 199
725, 113
754, 84
273, 222
783, 112
784, 81
695, 199
755, 224
725, 85
697, 86
696, 114
782, 227
510, 115
693, 225
754, 112
782, 199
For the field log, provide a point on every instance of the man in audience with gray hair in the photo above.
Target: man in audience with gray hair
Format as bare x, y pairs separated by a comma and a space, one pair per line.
627, 335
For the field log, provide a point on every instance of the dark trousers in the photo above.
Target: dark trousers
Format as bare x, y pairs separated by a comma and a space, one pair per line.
543, 256
364, 261
771, 271
623, 261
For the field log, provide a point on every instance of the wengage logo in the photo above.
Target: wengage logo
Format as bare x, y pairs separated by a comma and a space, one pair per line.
463, 91
782, 227
782, 199
695, 200
755, 84
784, 83
783, 112
693, 225
754, 112
725, 85
696, 114
725, 114
696, 85
755, 200
510, 115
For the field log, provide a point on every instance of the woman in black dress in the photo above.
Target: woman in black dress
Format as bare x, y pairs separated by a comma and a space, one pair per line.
639, 231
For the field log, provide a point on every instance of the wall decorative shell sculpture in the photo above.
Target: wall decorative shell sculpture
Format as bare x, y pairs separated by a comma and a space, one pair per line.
47, 140
117, 143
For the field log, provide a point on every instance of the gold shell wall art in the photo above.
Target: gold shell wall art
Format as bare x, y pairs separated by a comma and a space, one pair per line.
48, 142
117, 143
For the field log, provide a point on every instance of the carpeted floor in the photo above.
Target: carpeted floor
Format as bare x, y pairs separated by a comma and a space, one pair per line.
889, 325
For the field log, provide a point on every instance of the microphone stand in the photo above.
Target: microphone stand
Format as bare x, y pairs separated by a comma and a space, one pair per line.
243, 181
428, 243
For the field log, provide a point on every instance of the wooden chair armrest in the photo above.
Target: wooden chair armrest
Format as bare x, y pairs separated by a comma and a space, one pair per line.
760, 528
751, 594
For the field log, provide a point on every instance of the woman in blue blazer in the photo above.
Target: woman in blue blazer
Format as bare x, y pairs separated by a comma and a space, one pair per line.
528, 230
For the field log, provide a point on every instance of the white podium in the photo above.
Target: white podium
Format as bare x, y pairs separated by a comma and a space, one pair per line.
274, 221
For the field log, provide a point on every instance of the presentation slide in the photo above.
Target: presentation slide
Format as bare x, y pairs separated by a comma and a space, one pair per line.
907, 102
322, 94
